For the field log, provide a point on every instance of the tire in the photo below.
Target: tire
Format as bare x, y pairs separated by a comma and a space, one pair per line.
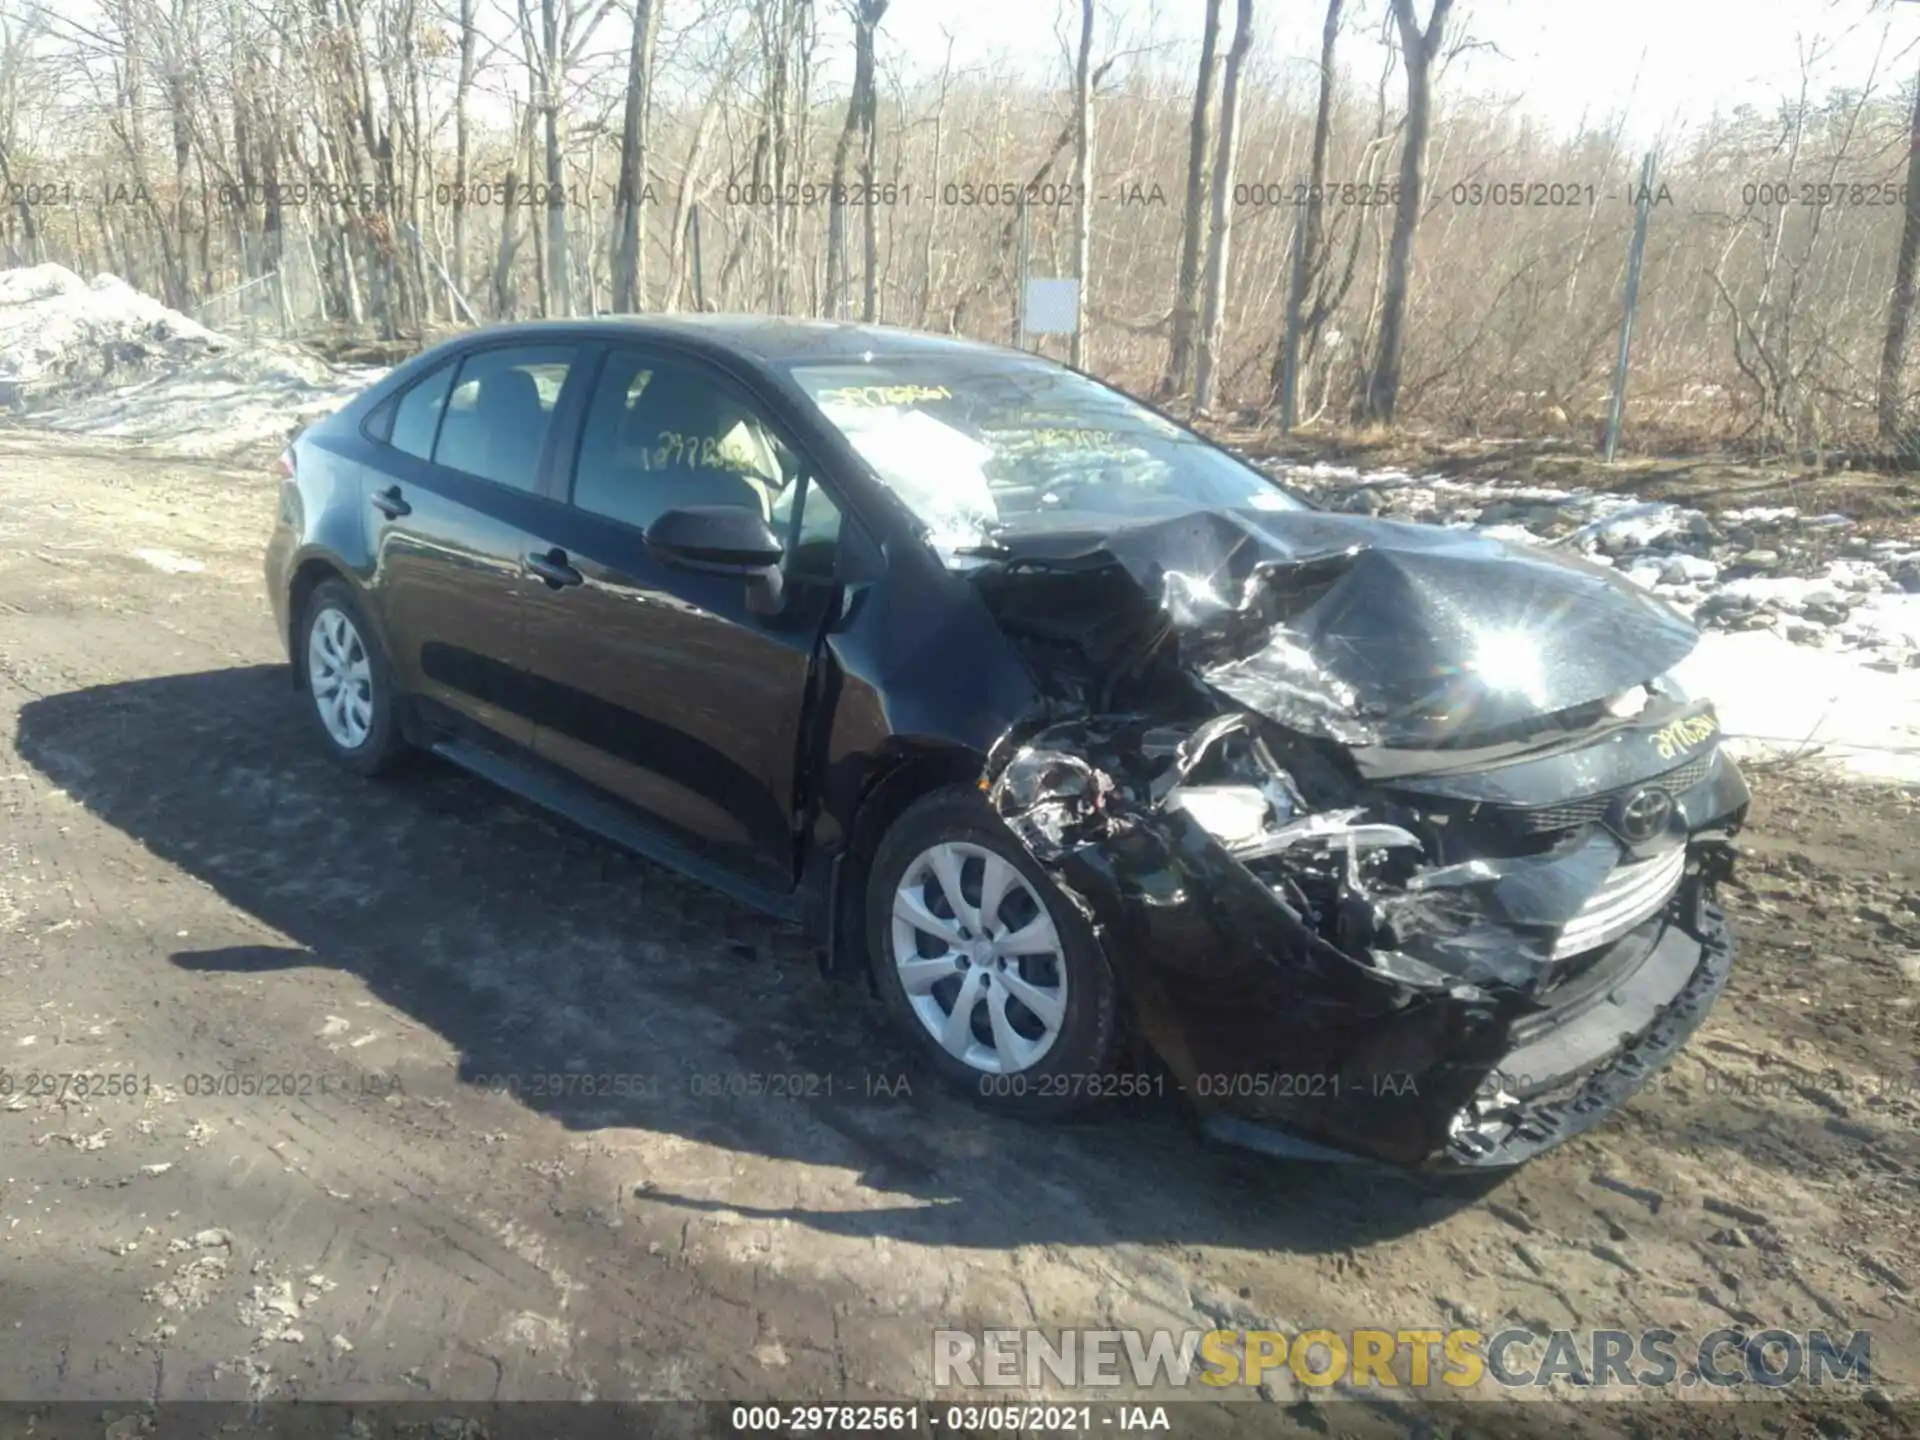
363, 733
1044, 1069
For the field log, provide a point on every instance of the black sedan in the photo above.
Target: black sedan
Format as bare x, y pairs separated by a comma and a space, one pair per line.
1115, 764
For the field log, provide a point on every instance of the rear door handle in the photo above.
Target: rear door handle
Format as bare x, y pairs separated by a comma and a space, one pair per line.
553, 568
389, 503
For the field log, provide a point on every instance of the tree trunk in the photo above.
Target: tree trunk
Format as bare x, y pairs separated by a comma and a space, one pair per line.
1417, 48
1218, 249
629, 268
176, 88
252, 248
504, 254
777, 43
1082, 180
1186, 295
933, 177
869, 203
806, 33
683, 199
414, 137
1900, 311
861, 105
559, 270
1285, 379
830, 295
536, 224
505, 288
463, 140
29, 227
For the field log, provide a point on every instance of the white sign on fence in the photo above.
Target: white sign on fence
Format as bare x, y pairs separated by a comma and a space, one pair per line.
1053, 307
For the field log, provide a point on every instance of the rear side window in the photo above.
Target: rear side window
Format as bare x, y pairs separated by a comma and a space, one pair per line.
417, 415
499, 410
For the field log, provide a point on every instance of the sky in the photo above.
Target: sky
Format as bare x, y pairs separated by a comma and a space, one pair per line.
1669, 62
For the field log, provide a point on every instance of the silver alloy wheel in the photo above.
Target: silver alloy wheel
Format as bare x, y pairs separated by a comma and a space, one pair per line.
979, 957
340, 678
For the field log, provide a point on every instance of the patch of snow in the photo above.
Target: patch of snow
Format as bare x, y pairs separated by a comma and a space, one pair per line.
166, 560
61, 337
1885, 619
1691, 570
1778, 698
223, 405
38, 282
1788, 591
1512, 534
1631, 526
100, 358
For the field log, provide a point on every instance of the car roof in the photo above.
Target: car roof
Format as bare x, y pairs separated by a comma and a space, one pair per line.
775, 339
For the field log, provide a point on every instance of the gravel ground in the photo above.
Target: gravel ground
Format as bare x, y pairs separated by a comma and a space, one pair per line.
191, 895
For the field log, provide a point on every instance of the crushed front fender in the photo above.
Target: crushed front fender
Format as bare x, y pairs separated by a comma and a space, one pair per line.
1434, 1026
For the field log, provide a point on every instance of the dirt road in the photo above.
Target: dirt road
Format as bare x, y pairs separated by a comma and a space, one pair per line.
402, 1090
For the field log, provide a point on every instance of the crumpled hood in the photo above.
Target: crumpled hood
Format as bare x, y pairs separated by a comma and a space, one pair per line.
1375, 632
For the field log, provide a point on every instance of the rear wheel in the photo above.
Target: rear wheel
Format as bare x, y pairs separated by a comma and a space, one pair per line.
349, 683
996, 978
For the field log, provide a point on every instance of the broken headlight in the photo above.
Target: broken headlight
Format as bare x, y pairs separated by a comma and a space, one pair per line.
1669, 685
1235, 815
1629, 702
1635, 698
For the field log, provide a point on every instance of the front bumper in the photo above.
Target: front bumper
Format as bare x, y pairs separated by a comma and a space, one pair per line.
1528, 1105
1541, 1092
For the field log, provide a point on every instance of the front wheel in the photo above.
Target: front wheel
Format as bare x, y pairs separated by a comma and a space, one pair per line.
995, 976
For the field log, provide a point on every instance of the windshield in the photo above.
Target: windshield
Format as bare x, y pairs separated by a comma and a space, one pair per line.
986, 451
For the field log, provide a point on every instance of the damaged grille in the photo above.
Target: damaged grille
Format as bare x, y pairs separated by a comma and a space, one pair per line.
1572, 814
1627, 896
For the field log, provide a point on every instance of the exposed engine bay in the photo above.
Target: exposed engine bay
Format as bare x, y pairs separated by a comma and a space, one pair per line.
1405, 843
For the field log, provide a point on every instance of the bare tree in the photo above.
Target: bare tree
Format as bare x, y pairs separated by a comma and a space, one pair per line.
684, 194
869, 199
858, 124
505, 294
630, 201
1418, 48
14, 46
933, 178
1083, 180
1762, 320
1900, 310
1777, 340
553, 46
1286, 361
463, 140
1186, 294
1218, 249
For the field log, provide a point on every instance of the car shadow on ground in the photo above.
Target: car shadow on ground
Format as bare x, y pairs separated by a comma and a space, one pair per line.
607, 992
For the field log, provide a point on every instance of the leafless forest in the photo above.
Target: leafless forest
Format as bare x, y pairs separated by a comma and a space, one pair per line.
1246, 225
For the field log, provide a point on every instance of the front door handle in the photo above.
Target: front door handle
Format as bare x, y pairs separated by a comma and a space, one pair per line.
553, 568
389, 503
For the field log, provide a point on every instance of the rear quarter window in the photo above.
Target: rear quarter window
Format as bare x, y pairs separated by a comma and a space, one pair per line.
417, 416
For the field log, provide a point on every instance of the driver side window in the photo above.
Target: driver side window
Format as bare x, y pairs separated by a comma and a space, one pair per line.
660, 435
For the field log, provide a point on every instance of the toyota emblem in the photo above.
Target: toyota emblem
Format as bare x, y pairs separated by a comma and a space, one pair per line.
1642, 815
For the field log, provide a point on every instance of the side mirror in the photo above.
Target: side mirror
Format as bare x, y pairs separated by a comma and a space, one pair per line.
724, 539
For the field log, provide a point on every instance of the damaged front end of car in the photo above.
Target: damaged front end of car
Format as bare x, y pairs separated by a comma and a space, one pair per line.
1396, 838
